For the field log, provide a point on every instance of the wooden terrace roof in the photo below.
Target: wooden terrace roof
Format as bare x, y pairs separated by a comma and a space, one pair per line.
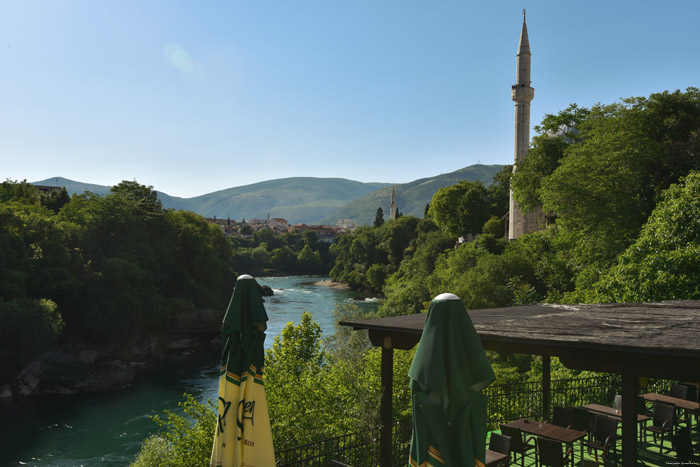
633, 339
653, 339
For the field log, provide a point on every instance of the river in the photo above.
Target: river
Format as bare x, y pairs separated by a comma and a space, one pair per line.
108, 428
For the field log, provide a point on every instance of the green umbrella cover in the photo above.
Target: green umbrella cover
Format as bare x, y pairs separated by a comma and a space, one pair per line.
447, 375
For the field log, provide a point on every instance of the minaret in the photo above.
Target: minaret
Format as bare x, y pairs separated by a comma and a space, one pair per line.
522, 94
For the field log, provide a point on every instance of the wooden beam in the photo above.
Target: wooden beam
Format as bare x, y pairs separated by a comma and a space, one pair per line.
630, 391
546, 386
386, 409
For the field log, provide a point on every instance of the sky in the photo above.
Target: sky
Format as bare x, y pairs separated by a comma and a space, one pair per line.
195, 97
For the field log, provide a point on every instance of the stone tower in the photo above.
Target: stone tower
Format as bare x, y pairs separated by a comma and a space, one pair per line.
522, 93
392, 207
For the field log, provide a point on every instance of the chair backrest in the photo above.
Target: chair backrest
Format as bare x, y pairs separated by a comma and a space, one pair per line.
581, 422
679, 391
516, 438
499, 443
604, 427
663, 412
563, 416
617, 402
549, 452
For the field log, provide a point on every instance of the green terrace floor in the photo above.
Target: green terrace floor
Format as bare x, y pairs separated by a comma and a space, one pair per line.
647, 452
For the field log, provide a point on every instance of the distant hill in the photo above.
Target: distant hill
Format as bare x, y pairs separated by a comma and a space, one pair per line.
73, 187
306, 199
297, 199
411, 198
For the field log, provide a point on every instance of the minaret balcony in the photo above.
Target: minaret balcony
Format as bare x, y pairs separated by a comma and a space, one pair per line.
522, 93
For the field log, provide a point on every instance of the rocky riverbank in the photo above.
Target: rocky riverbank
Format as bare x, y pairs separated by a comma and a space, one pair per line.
87, 368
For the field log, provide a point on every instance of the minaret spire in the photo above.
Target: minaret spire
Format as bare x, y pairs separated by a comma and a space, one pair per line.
392, 207
522, 93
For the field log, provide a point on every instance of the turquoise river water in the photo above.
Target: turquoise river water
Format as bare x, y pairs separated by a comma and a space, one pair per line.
108, 428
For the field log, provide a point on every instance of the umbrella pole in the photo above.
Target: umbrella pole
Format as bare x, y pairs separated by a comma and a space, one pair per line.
386, 409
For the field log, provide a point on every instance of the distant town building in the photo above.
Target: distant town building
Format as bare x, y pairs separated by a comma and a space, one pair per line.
277, 223
346, 224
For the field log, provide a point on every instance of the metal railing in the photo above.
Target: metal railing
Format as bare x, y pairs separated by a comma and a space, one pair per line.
356, 449
506, 402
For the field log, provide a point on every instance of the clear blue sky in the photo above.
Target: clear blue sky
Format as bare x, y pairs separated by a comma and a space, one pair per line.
193, 97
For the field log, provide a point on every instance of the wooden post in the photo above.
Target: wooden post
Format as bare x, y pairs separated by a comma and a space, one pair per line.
546, 386
386, 409
630, 388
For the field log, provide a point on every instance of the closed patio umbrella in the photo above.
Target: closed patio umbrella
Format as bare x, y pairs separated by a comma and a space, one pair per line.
448, 372
243, 436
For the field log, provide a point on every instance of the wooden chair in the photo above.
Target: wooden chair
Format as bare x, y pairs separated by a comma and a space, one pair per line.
563, 416
549, 453
582, 420
500, 443
604, 436
663, 421
679, 391
517, 444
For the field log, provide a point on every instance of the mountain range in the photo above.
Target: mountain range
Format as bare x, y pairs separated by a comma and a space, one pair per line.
306, 199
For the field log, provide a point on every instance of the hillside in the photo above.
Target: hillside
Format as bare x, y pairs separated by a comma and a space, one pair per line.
411, 198
307, 200
297, 199
73, 187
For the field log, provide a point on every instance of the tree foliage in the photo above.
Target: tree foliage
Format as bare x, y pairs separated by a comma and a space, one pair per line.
664, 262
186, 439
460, 209
109, 267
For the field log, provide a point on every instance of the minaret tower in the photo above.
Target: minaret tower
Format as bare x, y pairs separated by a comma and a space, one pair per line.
522, 94
392, 207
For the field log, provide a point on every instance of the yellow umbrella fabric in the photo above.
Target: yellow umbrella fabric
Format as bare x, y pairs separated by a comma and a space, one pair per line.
243, 436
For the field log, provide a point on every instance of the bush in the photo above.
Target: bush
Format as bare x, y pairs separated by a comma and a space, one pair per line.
187, 440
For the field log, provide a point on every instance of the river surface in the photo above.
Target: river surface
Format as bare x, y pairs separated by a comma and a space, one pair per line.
108, 428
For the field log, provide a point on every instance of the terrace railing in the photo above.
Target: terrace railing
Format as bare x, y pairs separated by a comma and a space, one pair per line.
506, 402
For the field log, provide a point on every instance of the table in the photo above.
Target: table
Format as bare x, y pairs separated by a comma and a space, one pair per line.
679, 403
613, 413
493, 458
548, 430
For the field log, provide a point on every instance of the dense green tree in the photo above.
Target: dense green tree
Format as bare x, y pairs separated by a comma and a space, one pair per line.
379, 217
664, 262
29, 328
600, 171
494, 226
553, 136
498, 192
460, 209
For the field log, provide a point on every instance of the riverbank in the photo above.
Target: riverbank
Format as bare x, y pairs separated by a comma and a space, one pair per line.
332, 284
82, 368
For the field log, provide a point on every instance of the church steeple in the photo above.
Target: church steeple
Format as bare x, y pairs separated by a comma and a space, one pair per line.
522, 93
